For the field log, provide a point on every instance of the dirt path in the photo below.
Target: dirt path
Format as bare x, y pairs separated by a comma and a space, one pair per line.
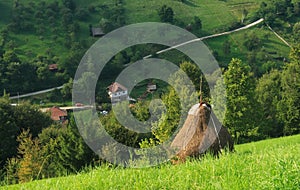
36, 93
278, 36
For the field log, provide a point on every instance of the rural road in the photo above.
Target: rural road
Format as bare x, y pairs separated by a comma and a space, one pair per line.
278, 36
36, 93
69, 108
207, 37
159, 52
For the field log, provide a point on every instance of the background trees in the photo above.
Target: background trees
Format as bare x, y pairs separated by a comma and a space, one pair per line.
290, 104
275, 11
268, 94
14, 119
240, 85
57, 150
70, 4
166, 14
252, 42
179, 99
113, 17
8, 131
197, 23
296, 31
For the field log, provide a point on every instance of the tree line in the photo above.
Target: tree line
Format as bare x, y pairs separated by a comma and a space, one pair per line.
58, 24
32, 146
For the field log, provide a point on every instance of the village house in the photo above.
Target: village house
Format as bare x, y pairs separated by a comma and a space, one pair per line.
117, 92
96, 31
151, 87
53, 67
58, 114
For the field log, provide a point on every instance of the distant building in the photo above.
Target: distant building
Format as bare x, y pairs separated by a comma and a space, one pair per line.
53, 67
151, 87
117, 92
189, 27
58, 114
96, 31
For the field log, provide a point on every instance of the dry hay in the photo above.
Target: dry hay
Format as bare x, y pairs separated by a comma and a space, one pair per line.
199, 134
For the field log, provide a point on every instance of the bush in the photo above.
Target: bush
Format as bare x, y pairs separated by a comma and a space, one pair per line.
82, 14
252, 42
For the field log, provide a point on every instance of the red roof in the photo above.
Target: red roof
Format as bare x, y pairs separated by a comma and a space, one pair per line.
53, 67
116, 87
57, 113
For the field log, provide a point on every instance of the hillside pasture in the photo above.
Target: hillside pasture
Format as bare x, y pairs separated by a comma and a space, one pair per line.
269, 164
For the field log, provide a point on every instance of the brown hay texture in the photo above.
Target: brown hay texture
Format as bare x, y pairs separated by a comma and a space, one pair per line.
201, 132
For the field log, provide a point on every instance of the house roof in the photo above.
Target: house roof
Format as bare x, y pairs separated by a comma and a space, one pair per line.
96, 31
56, 113
116, 87
53, 67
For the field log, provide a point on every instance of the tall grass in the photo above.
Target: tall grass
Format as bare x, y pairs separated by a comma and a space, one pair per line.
270, 164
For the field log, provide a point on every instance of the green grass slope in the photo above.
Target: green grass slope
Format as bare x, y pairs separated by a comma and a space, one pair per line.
216, 16
269, 164
213, 13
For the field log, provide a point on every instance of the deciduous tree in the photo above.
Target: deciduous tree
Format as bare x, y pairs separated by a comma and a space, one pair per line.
268, 94
290, 104
240, 114
166, 14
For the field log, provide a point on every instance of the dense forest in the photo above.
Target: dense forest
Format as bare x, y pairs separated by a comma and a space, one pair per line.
262, 78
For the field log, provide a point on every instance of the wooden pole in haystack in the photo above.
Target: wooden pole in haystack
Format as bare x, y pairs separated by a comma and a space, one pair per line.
201, 88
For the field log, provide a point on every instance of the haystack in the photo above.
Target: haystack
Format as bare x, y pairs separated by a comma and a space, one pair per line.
200, 132
216, 137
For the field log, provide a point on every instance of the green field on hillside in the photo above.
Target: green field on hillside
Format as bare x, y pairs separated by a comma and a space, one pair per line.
269, 164
215, 15
50, 38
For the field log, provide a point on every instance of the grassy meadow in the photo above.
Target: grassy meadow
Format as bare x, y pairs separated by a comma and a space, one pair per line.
269, 164
213, 13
